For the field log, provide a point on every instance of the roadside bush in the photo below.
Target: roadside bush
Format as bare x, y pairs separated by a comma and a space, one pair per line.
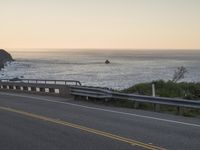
167, 89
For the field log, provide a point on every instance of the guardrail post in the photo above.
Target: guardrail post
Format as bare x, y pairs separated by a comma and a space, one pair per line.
106, 99
136, 105
153, 90
180, 110
156, 107
75, 97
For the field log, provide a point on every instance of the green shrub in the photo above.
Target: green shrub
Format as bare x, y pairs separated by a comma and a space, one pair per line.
167, 89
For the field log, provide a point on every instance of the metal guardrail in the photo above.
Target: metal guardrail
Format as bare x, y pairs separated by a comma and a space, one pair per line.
103, 93
108, 94
40, 81
91, 92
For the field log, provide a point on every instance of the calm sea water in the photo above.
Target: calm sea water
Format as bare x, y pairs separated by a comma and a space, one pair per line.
126, 69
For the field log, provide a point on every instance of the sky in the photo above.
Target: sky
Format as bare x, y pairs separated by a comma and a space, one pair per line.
113, 24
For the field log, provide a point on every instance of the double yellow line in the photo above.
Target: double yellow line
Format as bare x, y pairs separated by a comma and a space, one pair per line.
90, 130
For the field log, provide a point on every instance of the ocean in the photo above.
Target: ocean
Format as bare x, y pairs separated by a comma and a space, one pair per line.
127, 67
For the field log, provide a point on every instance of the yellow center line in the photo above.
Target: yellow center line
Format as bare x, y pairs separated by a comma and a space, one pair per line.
90, 130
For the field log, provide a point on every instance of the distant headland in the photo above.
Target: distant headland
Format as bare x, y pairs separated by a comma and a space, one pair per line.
4, 57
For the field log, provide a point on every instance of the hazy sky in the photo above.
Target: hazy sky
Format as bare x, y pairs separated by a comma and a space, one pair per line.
131, 24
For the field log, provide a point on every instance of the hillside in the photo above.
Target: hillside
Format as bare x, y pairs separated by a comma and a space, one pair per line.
4, 57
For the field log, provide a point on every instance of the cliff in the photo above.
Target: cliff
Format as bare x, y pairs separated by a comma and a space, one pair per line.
4, 57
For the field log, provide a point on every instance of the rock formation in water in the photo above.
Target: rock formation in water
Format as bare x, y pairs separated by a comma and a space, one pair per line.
107, 62
4, 57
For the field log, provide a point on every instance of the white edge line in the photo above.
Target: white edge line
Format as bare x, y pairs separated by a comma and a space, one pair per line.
105, 110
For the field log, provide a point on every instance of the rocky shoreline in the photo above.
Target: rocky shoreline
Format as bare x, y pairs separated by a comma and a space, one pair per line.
4, 57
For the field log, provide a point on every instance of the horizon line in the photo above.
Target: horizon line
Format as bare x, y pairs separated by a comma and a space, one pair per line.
108, 48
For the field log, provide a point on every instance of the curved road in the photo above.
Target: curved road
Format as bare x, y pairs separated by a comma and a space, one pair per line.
30, 122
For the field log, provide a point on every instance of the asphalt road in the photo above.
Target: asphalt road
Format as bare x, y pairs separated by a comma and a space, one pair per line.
29, 122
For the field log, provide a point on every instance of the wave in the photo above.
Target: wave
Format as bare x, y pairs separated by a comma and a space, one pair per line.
125, 69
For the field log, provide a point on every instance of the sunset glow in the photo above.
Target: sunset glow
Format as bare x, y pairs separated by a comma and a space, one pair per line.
130, 24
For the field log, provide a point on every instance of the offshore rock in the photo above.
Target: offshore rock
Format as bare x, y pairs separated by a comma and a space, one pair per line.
107, 62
